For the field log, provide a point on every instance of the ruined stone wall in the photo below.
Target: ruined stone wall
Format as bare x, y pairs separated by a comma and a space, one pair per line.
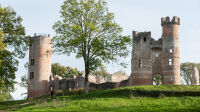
118, 77
195, 77
78, 82
39, 66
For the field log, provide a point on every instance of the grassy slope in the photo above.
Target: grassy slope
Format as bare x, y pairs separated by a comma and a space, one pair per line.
124, 99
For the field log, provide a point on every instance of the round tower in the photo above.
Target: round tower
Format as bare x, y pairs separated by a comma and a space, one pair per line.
170, 50
40, 55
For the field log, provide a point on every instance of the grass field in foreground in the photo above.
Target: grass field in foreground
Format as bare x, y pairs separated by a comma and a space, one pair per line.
133, 99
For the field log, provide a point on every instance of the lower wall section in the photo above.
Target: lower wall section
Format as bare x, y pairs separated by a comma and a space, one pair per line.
68, 84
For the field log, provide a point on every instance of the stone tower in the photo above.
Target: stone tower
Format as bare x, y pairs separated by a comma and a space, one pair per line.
156, 57
170, 50
40, 55
195, 76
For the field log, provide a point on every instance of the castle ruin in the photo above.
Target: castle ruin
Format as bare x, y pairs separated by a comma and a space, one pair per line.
149, 57
161, 57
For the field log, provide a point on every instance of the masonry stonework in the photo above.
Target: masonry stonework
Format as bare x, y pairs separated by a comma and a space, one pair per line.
195, 76
40, 55
152, 57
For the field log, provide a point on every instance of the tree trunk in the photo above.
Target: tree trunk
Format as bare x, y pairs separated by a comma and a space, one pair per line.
86, 82
86, 85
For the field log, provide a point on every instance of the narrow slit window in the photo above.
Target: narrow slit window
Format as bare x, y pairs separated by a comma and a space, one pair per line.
170, 50
140, 63
170, 61
31, 75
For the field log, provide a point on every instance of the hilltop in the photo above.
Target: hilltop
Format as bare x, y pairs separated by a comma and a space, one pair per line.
135, 99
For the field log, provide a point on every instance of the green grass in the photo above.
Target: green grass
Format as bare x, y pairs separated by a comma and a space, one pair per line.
132, 99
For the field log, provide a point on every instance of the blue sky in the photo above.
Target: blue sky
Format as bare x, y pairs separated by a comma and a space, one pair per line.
140, 15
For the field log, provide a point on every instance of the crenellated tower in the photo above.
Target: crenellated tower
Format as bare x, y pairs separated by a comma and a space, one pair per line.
170, 50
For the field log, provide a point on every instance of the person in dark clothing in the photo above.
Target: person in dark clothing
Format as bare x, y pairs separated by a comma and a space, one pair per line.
51, 92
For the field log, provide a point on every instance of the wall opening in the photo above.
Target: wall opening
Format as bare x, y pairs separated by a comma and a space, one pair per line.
140, 63
145, 39
170, 61
157, 79
170, 50
31, 75
32, 61
156, 55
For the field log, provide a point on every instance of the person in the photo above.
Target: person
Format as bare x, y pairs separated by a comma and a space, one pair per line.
51, 91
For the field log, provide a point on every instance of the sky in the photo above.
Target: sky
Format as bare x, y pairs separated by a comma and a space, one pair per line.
139, 15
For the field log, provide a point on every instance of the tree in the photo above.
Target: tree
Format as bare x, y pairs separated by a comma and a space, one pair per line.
186, 71
62, 71
13, 43
58, 69
14, 32
87, 29
72, 71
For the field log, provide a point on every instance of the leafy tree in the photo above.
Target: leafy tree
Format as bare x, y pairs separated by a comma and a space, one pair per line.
87, 29
186, 71
72, 71
11, 27
58, 69
13, 43
64, 72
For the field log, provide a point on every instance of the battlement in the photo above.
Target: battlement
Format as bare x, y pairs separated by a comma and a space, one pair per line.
41, 35
141, 34
166, 20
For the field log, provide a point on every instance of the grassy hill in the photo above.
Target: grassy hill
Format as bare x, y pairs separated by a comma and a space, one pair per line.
133, 99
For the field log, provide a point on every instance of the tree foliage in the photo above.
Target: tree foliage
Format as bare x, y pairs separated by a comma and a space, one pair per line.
13, 44
62, 71
14, 32
186, 71
88, 29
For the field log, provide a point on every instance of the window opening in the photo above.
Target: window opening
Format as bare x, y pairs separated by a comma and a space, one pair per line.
156, 55
170, 61
170, 50
140, 63
32, 61
31, 75
145, 39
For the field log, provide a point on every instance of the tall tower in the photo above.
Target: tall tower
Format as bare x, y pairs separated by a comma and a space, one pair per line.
40, 55
141, 59
170, 50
